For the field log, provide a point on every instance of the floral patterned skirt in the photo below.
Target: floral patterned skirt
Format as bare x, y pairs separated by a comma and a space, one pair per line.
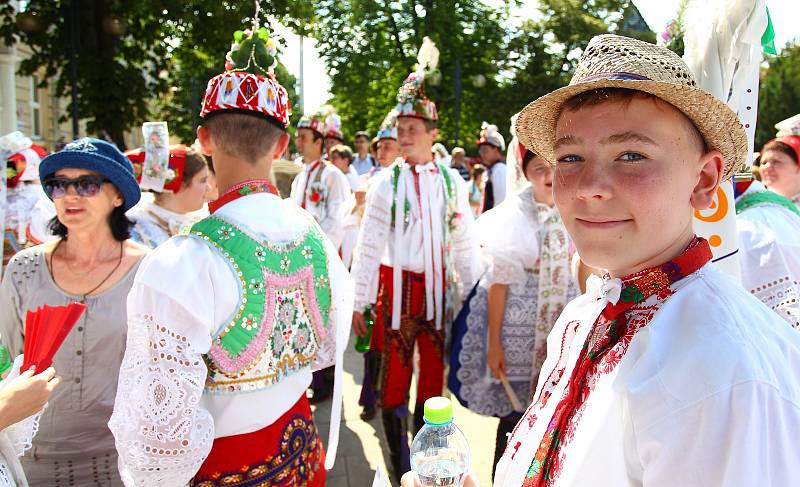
287, 453
470, 378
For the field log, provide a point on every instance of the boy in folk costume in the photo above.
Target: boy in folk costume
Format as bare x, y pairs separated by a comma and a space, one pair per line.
320, 189
227, 322
492, 148
413, 254
665, 372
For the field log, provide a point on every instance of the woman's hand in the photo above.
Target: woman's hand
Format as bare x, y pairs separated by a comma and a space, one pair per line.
496, 359
410, 480
26, 395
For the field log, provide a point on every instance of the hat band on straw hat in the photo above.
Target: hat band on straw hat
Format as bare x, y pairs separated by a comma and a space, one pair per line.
623, 76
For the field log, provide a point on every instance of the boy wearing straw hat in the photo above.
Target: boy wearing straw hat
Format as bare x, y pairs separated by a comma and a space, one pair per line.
665, 372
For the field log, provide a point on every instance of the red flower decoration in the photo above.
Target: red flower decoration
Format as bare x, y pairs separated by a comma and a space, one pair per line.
315, 197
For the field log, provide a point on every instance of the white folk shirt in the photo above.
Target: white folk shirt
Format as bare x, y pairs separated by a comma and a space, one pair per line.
183, 293
707, 394
769, 255
378, 243
332, 210
497, 173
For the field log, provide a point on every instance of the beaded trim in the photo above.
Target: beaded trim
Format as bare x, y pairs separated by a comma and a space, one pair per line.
263, 270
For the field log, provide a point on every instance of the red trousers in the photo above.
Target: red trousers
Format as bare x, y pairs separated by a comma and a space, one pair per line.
397, 346
287, 453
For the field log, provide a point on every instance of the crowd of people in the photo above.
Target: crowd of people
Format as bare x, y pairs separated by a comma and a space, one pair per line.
554, 282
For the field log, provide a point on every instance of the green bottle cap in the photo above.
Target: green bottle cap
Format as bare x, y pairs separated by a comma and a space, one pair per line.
438, 410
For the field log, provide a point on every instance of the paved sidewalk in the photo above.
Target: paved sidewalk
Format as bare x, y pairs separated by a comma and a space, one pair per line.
360, 443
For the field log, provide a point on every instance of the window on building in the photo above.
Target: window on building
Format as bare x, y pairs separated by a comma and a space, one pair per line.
36, 116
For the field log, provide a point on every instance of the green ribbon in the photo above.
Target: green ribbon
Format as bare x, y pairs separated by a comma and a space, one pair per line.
764, 198
768, 39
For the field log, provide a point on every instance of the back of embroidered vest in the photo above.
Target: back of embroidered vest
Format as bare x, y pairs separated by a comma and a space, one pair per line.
282, 323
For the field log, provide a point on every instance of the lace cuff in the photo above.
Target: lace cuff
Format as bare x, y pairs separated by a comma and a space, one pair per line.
162, 434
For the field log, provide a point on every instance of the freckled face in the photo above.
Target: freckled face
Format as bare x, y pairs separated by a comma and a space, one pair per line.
624, 178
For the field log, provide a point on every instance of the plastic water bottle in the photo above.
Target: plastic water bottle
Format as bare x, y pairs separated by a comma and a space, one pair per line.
439, 452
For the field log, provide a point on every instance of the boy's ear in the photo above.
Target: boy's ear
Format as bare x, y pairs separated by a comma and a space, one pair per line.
708, 179
280, 146
204, 137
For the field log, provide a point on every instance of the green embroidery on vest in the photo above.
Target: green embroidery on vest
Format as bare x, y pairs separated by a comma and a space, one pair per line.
249, 258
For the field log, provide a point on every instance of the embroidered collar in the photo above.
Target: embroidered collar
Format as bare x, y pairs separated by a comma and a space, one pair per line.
242, 189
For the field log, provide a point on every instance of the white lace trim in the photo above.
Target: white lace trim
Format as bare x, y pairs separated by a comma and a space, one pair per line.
162, 434
782, 295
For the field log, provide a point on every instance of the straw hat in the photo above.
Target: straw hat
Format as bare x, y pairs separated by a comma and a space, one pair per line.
611, 61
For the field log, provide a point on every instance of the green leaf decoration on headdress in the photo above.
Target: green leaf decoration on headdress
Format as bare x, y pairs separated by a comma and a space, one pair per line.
252, 52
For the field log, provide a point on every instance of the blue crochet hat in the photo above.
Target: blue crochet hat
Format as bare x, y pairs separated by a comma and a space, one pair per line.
98, 156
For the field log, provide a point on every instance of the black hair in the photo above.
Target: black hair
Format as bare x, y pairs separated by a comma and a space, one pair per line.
119, 223
526, 159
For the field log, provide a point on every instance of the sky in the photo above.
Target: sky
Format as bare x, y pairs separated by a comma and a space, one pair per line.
657, 13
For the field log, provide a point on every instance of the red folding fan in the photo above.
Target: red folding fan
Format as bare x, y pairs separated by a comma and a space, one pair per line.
45, 331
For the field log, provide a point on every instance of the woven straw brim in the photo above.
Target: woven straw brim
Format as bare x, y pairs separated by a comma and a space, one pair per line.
718, 124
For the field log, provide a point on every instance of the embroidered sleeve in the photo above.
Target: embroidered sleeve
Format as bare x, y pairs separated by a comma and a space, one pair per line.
370, 247
337, 207
162, 433
463, 242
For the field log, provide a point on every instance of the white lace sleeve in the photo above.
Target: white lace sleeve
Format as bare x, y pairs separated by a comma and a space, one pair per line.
371, 245
162, 433
337, 207
464, 248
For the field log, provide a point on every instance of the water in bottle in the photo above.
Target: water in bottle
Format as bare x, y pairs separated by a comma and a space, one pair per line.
439, 452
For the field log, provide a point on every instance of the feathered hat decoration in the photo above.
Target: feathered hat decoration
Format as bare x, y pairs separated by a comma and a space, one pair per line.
333, 123
411, 98
388, 128
22, 158
315, 122
491, 135
248, 84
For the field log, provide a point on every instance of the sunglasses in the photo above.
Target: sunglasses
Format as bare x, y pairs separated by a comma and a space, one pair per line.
85, 186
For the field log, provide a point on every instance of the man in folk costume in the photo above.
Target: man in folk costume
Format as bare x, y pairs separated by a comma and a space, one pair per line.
23, 190
388, 151
227, 322
413, 258
666, 372
492, 148
320, 189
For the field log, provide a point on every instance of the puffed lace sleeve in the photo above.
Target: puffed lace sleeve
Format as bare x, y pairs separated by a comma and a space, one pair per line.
509, 240
162, 432
16, 439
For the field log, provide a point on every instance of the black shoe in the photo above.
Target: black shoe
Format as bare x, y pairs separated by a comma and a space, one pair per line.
320, 395
368, 414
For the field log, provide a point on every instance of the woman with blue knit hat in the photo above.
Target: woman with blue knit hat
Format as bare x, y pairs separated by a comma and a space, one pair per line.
93, 261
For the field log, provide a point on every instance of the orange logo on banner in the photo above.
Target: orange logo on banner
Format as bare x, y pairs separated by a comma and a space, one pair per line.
719, 207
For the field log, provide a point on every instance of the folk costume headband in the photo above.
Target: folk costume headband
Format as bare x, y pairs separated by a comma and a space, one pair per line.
491, 135
612, 61
789, 133
333, 124
22, 158
388, 128
248, 84
411, 99
314, 122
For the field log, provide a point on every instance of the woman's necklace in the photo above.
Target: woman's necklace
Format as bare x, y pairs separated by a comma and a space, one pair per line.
83, 299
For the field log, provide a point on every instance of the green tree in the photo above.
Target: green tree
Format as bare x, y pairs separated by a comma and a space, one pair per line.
779, 92
370, 46
130, 54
